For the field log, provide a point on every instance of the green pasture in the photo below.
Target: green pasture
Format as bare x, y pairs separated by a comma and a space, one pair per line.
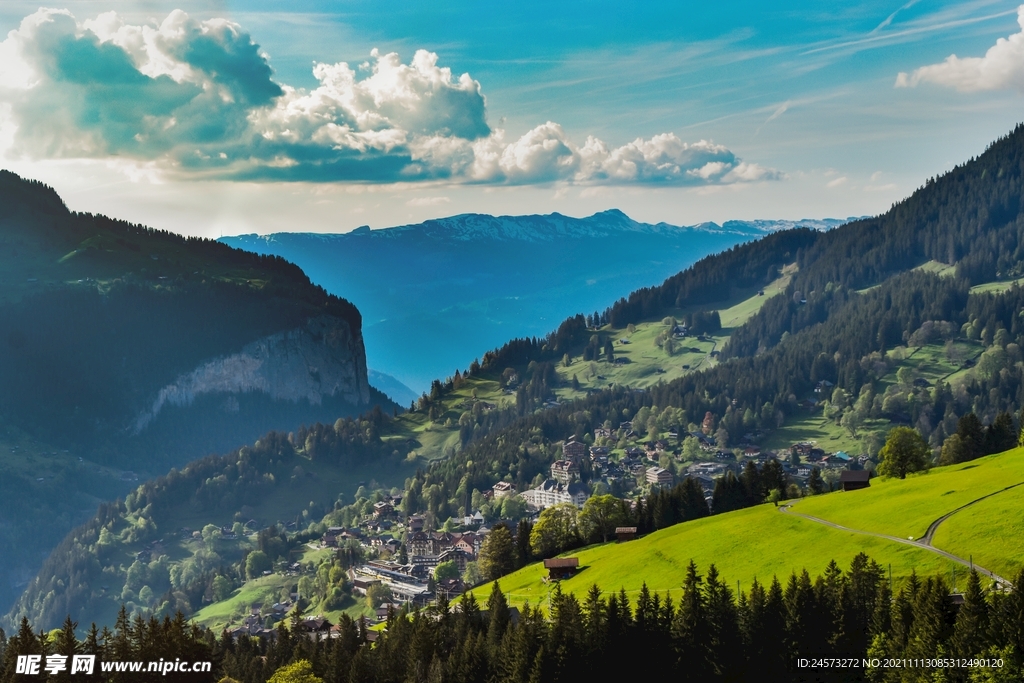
906, 508
759, 542
991, 532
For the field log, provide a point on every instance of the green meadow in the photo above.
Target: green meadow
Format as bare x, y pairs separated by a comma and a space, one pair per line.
759, 542
906, 508
991, 532
762, 542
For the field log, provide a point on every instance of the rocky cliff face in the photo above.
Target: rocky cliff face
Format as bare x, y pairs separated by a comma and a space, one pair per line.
323, 359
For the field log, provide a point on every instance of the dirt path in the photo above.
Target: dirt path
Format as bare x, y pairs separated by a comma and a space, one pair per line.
927, 538
917, 544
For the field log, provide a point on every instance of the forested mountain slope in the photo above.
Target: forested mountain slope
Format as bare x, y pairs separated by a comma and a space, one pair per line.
127, 350
853, 304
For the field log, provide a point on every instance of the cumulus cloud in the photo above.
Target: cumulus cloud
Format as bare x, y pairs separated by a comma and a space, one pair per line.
1001, 68
199, 99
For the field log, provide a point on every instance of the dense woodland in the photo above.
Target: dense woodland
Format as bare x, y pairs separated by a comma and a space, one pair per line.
707, 632
70, 580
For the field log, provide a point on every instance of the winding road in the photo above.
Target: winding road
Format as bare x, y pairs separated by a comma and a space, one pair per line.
925, 542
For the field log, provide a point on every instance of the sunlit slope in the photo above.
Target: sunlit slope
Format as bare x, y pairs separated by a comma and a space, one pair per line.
906, 508
757, 542
990, 532
761, 541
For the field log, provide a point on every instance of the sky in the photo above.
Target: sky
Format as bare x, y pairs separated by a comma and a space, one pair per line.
214, 117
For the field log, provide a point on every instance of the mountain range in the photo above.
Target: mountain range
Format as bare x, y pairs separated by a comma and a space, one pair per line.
435, 295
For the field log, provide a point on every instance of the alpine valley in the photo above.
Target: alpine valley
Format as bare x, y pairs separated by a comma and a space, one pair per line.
882, 356
435, 295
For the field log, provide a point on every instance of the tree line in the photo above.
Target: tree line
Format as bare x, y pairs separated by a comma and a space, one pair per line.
707, 631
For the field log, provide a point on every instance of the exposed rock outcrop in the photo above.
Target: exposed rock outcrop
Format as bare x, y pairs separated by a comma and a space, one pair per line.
323, 359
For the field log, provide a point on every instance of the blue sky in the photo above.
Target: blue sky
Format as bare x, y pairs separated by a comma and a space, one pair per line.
221, 117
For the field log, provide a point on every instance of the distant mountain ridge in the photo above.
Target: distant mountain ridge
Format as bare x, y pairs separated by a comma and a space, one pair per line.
549, 227
435, 295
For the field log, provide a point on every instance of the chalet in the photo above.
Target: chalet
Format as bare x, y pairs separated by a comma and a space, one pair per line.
330, 537
468, 544
362, 583
851, 480
574, 450
316, 628
415, 524
839, 458
502, 489
561, 567
565, 471
456, 555
625, 533
803, 448
602, 433
476, 519
659, 476
450, 587
823, 386
382, 509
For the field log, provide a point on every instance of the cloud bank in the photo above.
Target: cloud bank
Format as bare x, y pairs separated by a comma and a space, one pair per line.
199, 99
1001, 68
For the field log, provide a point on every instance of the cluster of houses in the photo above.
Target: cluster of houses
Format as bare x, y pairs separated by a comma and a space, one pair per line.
259, 622
411, 581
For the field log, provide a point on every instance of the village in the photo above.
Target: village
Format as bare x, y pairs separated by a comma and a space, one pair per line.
403, 561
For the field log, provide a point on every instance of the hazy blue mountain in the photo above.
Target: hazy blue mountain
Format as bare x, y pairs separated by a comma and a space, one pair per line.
392, 388
436, 295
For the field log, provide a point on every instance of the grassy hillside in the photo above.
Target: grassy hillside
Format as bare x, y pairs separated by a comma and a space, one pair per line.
271, 589
649, 363
905, 508
762, 541
757, 543
992, 532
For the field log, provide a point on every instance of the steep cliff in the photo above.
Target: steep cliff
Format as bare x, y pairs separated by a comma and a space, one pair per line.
322, 360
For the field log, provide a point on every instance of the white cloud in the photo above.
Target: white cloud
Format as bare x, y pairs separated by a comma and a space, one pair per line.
1001, 68
837, 182
199, 99
428, 201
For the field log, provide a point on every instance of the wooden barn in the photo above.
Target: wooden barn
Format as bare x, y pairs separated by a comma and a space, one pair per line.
561, 567
851, 480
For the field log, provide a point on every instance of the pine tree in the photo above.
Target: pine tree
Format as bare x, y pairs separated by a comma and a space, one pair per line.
690, 629
815, 484
499, 616
68, 646
723, 627
970, 631
25, 642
